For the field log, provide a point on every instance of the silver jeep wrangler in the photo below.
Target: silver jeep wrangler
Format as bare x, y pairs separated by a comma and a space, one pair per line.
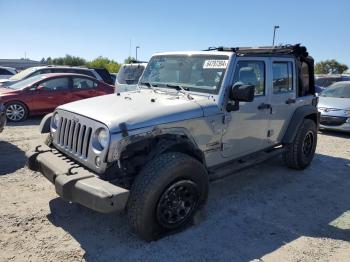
195, 117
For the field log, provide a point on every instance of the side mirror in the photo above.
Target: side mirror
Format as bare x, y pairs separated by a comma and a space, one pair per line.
240, 93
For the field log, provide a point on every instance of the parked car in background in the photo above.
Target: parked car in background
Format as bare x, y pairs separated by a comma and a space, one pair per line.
98, 73
2, 116
41, 94
334, 105
7, 72
318, 90
327, 80
128, 76
114, 77
104, 74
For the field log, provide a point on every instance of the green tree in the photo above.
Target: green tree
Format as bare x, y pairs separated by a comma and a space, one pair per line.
49, 60
103, 62
330, 67
69, 61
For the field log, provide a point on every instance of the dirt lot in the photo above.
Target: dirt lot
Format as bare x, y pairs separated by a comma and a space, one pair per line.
264, 213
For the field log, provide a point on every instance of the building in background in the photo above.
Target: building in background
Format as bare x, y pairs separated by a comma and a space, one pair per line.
19, 64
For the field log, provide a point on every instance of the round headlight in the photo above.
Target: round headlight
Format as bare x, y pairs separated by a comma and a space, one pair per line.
102, 137
55, 121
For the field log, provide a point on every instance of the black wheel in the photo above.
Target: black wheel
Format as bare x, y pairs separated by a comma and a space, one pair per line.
166, 195
16, 111
300, 153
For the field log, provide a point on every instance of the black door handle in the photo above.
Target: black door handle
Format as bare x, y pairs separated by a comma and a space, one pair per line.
290, 101
264, 106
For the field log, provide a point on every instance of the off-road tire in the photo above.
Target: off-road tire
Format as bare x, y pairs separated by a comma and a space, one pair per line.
150, 185
294, 155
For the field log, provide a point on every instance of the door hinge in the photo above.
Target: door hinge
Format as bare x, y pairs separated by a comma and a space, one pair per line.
270, 133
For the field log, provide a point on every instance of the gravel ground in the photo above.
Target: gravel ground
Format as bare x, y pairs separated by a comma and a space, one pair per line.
263, 213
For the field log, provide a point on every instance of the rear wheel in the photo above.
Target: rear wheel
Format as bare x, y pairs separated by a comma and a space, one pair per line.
16, 111
300, 153
166, 195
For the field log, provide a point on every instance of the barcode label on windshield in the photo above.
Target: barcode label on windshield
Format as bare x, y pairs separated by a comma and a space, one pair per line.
215, 64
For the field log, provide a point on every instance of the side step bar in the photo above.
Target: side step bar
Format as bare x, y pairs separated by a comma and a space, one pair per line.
239, 164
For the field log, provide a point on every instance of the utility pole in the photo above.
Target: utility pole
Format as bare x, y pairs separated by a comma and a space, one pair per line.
130, 47
274, 34
137, 47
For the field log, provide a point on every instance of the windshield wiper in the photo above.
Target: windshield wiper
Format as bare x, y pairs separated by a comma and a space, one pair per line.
181, 89
178, 87
149, 85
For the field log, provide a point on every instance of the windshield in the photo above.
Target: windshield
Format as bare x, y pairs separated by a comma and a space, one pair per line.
26, 82
130, 74
199, 73
23, 74
340, 90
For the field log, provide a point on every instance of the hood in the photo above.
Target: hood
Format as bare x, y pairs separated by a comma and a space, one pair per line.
137, 109
4, 90
334, 102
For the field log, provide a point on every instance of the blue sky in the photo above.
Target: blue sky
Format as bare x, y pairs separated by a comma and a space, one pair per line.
92, 28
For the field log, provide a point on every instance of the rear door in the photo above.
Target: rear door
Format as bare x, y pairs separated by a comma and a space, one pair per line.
48, 94
283, 96
83, 87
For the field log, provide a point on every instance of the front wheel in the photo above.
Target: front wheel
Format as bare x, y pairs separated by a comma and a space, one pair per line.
166, 195
16, 111
300, 153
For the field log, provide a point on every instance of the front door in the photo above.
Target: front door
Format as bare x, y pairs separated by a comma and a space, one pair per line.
283, 97
247, 128
49, 94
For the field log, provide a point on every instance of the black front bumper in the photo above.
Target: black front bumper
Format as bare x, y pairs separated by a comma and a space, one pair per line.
76, 184
2, 117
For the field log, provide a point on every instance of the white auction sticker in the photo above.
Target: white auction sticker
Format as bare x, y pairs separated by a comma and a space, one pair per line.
215, 64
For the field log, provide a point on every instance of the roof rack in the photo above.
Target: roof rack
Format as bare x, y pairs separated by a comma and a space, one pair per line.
296, 49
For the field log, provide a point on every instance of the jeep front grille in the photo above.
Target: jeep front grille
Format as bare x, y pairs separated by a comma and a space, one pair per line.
74, 137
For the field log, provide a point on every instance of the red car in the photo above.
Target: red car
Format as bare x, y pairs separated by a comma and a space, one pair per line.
41, 94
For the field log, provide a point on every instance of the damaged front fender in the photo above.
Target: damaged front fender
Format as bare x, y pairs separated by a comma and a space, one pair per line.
120, 143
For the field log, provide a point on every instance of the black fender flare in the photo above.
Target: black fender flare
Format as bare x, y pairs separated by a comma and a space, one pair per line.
45, 123
306, 111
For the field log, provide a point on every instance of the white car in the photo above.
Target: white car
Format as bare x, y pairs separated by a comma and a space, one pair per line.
128, 76
334, 106
7, 72
98, 73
